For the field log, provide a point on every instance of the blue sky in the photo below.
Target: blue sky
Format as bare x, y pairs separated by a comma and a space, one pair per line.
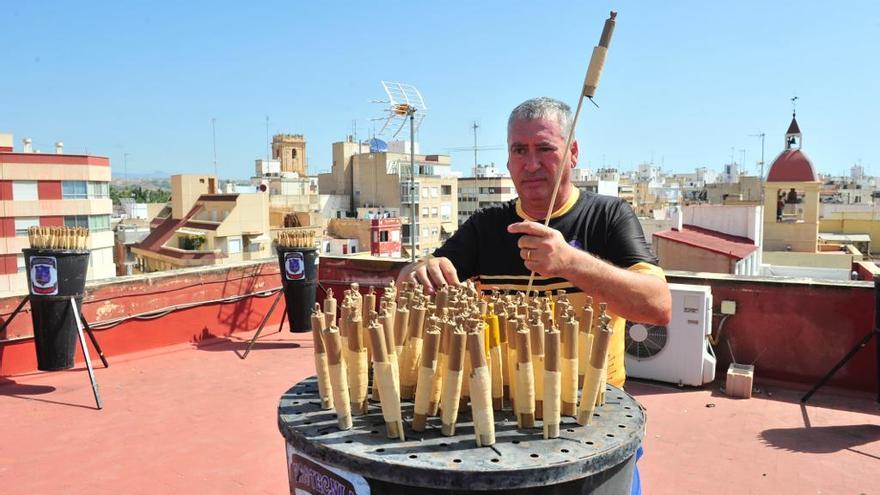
684, 82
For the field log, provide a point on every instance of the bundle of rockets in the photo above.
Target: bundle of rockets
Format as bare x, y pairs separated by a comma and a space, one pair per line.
458, 347
302, 239
58, 237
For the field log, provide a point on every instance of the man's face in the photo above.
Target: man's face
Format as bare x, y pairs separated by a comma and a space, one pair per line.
535, 152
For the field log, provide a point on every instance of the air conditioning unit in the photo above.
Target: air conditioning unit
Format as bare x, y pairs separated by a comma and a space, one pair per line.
680, 352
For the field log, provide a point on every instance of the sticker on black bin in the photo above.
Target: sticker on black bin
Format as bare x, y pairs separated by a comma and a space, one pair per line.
294, 266
44, 275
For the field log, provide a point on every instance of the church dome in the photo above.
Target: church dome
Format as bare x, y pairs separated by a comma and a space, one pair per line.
792, 165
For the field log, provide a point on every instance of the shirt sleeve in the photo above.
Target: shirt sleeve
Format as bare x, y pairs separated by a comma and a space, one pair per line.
462, 249
626, 240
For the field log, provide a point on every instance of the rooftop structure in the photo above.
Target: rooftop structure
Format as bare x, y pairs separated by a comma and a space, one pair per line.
195, 321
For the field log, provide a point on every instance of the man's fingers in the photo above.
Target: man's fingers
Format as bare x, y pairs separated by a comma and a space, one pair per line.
436, 274
530, 228
449, 272
529, 242
422, 278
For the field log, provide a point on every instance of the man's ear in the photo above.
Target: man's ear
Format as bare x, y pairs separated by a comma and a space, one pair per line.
574, 153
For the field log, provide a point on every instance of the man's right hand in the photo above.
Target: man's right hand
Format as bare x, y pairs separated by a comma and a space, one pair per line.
431, 273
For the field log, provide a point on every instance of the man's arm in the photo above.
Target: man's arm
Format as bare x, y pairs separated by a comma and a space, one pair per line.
430, 272
456, 255
634, 296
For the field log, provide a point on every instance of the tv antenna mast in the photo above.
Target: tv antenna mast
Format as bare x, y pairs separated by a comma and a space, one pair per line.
404, 103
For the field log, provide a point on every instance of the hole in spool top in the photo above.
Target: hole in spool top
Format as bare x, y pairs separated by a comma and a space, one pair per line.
495, 460
457, 461
413, 456
564, 451
380, 450
534, 455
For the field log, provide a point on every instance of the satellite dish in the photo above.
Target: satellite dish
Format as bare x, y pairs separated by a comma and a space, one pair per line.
378, 146
404, 100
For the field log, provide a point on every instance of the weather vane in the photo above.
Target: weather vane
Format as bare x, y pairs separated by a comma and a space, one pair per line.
794, 100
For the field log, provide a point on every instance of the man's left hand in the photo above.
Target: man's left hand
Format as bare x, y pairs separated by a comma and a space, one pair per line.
543, 249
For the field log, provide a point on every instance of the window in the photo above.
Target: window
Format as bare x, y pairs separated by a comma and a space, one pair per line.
24, 190
383, 236
233, 245
395, 236
22, 224
98, 190
99, 223
446, 190
74, 189
435, 191
293, 154
445, 211
434, 212
76, 221
19, 262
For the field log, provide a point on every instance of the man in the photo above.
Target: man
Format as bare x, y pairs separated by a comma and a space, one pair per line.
593, 246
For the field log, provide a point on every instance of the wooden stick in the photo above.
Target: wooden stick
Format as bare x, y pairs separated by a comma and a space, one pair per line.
588, 89
592, 380
449, 402
525, 381
493, 336
481, 391
329, 309
536, 331
383, 376
552, 384
569, 365
446, 330
586, 327
512, 327
411, 353
325, 389
425, 383
358, 374
338, 380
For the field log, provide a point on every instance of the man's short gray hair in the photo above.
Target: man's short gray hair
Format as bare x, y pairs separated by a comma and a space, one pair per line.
542, 107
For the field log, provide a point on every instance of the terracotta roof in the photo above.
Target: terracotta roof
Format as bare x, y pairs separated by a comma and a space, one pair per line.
164, 230
729, 245
793, 127
792, 166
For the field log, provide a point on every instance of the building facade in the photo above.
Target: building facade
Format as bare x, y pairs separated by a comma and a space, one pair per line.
42, 189
483, 190
201, 227
382, 179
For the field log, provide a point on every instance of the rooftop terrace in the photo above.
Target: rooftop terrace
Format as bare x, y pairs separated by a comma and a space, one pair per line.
184, 414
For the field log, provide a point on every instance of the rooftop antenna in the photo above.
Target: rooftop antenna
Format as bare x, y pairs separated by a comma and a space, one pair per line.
214, 141
268, 143
404, 103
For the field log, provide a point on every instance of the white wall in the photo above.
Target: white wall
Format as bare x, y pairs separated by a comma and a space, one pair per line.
806, 272
742, 221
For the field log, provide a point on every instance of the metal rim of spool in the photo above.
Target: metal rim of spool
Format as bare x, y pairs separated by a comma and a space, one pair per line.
519, 459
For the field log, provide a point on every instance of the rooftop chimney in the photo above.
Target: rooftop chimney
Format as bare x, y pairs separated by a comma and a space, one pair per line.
59, 148
27, 145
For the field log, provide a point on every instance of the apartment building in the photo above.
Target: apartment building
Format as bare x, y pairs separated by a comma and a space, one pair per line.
201, 227
487, 187
52, 189
383, 179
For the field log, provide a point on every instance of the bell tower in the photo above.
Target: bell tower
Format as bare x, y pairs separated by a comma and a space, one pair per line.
290, 150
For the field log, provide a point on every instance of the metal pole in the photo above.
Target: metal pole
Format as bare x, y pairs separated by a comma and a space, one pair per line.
412, 182
214, 142
85, 349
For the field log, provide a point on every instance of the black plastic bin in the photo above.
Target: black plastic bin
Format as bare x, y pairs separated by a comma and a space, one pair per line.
54, 275
299, 278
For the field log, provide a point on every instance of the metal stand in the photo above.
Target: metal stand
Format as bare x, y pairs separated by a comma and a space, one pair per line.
80, 324
875, 332
85, 348
266, 319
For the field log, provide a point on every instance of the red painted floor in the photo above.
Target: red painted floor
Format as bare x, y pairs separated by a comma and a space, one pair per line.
200, 420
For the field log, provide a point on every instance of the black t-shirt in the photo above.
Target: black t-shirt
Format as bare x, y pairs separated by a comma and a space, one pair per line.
602, 225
